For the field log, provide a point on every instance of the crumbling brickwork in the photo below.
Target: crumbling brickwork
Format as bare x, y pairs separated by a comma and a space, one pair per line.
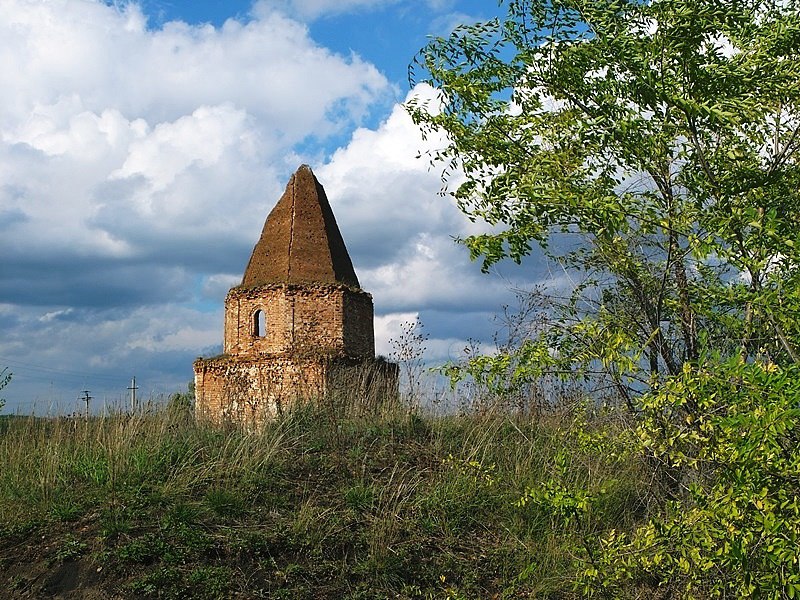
299, 319
298, 323
246, 391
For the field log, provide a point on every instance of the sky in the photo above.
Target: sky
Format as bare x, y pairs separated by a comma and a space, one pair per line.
142, 145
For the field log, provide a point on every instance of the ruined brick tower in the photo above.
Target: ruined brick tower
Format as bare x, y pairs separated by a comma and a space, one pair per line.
298, 318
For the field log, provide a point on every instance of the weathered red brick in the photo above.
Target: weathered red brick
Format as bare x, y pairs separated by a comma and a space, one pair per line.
318, 321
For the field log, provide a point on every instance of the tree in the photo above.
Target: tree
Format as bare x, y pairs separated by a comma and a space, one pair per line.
182, 403
664, 135
5, 379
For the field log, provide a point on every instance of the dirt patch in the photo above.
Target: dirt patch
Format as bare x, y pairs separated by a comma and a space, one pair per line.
70, 580
37, 566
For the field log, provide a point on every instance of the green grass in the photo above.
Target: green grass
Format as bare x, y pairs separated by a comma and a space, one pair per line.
319, 504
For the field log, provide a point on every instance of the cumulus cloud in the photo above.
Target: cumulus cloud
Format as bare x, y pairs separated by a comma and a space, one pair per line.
388, 329
121, 141
137, 166
314, 9
400, 233
87, 54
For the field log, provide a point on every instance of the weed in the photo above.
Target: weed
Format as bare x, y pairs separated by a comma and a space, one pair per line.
210, 582
359, 497
93, 468
114, 522
224, 502
164, 582
181, 514
66, 509
144, 550
69, 549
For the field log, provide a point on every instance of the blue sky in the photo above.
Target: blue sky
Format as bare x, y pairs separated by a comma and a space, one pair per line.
143, 145
386, 33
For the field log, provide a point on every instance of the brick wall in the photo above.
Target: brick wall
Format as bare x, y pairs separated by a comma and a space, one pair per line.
358, 328
310, 319
251, 391
311, 332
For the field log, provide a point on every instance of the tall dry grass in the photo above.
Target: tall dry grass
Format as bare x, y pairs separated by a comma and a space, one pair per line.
45, 462
338, 494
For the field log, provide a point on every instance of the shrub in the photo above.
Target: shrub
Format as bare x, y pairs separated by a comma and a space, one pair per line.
728, 433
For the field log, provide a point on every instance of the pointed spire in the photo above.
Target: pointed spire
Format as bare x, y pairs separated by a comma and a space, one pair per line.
300, 242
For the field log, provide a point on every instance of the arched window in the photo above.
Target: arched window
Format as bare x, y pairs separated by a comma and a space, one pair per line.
259, 324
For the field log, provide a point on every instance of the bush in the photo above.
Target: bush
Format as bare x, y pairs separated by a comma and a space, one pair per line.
727, 432
5, 379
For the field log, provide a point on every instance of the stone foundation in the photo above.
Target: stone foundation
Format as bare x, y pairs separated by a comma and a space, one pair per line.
250, 391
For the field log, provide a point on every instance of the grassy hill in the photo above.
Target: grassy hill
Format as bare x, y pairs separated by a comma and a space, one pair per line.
323, 503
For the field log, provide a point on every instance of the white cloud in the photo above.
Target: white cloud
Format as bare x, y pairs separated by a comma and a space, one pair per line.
313, 9
388, 328
119, 138
446, 23
440, 4
216, 286
397, 226
389, 335
55, 355
175, 329
137, 166
310, 10
50, 316
200, 138
723, 45
399, 231
86, 53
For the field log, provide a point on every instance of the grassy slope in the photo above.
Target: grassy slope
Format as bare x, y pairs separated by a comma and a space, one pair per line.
317, 505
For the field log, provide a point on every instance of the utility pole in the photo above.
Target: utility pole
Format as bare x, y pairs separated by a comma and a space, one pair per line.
133, 389
86, 398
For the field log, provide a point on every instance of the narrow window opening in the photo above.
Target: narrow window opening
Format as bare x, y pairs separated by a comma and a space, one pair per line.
259, 324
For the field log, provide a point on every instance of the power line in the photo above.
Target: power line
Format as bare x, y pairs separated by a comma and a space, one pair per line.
47, 371
86, 398
14, 363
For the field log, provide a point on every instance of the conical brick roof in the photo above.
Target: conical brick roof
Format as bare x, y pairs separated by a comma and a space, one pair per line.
300, 242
